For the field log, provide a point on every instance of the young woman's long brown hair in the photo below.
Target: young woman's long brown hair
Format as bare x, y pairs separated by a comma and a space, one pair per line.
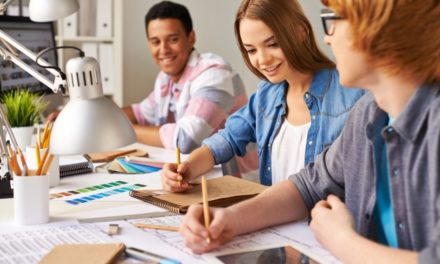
292, 31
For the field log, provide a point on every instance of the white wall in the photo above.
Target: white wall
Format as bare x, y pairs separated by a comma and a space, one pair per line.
213, 23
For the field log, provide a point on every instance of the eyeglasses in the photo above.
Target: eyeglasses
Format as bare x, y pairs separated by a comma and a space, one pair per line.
328, 18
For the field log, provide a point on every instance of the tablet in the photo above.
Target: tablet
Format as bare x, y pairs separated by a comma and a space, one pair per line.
283, 254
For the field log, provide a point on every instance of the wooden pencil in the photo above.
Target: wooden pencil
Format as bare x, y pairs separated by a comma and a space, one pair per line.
205, 205
178, 162
157, 227
47, 164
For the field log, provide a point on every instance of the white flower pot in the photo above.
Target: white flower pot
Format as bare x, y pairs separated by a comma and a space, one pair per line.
23, 135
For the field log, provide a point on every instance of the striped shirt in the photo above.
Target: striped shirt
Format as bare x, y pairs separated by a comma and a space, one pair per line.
196, 106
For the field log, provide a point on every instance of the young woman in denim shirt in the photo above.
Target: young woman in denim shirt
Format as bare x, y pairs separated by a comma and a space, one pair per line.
299, 107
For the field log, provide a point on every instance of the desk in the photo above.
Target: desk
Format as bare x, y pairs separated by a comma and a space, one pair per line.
160, 242
105, 210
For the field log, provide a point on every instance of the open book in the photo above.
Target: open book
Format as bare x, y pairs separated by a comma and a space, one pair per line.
222, 192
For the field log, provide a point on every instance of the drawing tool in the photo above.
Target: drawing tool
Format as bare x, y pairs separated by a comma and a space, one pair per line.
47, 164
178, 161
46, 135
46, 126
40, 168
37, 154
13, 160
141, 254
157, 227
23, 162
205, 205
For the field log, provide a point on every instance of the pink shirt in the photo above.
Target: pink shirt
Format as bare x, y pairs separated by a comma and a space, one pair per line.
195, 107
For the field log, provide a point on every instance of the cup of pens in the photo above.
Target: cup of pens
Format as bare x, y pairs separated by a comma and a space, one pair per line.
31, 198
38, 157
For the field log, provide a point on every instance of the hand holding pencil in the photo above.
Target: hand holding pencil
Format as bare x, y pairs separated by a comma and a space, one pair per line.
195, 233
173, 175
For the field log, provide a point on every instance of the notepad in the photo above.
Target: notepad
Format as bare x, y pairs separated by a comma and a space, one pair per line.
74, 165
222, 192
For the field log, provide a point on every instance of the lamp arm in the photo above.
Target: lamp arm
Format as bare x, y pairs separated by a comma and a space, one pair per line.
59, 84
4, 5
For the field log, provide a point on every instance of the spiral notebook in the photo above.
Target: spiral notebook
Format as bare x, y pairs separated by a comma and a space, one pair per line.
222, 192
74, 165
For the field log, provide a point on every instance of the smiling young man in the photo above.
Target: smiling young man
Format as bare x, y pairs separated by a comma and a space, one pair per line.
193, 93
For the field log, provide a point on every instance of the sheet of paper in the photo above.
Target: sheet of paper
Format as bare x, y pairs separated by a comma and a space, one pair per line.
102, 196
31, 243
164, 243
170, 244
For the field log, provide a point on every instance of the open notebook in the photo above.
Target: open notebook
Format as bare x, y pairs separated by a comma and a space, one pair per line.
222, 192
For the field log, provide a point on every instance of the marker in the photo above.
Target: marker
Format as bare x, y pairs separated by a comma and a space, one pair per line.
148, 256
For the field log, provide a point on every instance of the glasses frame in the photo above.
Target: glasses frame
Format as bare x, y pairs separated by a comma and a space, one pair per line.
328, 15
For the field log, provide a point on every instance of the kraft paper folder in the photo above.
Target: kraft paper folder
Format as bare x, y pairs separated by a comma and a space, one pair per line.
223, 191
84, 253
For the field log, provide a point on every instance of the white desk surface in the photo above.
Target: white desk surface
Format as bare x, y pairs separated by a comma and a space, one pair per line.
119, 208
108, 209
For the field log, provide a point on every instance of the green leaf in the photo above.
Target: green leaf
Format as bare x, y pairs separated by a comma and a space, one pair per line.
23, 108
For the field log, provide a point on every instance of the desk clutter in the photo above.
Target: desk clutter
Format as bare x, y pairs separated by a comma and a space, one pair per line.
97, 203
49, 242
223, 191
131, 161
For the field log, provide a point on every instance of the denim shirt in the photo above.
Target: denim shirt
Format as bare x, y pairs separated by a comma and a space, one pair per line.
347, 169
260, 120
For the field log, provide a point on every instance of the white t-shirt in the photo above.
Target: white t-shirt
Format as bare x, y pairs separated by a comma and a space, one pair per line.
288, 150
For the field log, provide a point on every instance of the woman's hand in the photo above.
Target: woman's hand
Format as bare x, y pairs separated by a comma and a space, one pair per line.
173, 177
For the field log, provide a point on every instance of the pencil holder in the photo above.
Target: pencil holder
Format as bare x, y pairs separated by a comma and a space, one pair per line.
54, 169
31, 199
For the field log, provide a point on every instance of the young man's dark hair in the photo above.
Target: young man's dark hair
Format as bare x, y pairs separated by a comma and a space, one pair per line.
167, 9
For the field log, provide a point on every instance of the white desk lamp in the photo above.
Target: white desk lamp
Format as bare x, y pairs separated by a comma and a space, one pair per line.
89, 122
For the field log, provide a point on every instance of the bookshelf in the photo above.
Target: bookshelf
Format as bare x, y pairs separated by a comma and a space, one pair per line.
93, 29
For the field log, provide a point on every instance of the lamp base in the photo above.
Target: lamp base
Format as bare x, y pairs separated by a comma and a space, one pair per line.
5, 188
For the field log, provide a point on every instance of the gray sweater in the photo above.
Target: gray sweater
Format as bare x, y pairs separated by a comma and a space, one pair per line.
347, 169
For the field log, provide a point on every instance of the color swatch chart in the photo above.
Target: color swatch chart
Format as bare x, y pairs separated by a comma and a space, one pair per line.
95, 192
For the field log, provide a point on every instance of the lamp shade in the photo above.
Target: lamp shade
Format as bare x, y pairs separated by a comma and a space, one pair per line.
51, 10
90, 125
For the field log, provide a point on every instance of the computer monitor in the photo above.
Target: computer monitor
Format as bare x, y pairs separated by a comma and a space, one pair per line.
34, 36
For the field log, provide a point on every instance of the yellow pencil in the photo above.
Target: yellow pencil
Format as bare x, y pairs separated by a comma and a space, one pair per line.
43, 160
37, 154
205, 205
157, 227
178, 161
13, 160
47, 164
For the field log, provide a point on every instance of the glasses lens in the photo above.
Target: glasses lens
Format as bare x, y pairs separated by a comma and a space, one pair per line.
330, 26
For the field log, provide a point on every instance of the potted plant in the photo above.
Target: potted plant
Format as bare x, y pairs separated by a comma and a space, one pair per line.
23, 109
